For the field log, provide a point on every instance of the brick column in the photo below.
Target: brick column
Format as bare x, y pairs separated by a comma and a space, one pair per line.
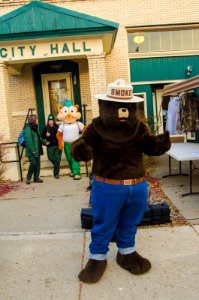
5, 105
97, 76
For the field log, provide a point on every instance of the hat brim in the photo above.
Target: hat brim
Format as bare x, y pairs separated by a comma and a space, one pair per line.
104, 97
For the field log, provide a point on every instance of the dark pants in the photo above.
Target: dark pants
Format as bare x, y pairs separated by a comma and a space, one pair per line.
34, 167
54, 155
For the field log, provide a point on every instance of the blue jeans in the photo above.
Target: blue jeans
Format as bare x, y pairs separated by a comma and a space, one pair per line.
116, 208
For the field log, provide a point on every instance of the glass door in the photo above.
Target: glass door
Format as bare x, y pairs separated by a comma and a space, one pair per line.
57, 88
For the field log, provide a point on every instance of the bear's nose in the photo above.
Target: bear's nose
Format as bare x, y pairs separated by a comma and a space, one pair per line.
124, 109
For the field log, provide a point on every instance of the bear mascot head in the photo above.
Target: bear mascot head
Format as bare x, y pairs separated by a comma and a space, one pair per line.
116, 141
117, 108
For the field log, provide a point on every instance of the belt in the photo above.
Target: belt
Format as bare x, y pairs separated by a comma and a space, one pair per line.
118, 181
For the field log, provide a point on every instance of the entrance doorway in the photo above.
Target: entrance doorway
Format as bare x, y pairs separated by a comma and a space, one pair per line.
57, 88
54, 80
160, 108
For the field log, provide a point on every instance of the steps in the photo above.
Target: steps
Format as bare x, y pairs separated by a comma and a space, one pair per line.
47, 167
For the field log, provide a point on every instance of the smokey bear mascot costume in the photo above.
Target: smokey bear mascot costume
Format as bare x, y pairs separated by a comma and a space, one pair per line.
116, 141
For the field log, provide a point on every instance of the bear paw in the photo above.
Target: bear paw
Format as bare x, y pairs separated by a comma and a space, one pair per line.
134, 263
93, 271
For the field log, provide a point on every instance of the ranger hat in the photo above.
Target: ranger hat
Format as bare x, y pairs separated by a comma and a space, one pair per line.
119, 91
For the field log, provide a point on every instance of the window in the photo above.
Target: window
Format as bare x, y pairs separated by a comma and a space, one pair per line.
163, 40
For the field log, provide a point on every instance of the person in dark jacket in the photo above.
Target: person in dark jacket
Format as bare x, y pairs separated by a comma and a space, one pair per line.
33, 148
53, 152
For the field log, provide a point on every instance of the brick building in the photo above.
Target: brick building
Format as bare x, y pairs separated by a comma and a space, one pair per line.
53, 50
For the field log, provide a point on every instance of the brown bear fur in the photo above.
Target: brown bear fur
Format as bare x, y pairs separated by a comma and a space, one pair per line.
134, 263
116, 145
93, 271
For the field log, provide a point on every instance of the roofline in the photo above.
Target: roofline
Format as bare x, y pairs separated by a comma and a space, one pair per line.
57, 9
162, 26
57, 33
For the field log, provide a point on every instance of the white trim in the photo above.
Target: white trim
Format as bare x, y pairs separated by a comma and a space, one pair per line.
163, 54
144, 28
158, 112
154, 82
145, 101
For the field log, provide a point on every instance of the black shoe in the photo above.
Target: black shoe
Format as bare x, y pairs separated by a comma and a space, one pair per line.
38, 180
56, 176
27, 181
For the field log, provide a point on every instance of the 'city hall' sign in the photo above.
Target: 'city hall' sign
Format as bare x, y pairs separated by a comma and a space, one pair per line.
54, 49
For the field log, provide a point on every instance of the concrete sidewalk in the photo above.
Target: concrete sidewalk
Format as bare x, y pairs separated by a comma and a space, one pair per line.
43, 248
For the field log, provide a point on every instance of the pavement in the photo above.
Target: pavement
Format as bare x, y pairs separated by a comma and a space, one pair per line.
43, 248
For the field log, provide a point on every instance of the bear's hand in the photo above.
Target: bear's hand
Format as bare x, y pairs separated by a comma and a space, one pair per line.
163, 142
81, 151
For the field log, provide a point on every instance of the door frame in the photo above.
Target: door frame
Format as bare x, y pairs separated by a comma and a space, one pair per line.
55, 76
51, 67
157, 110
143, 95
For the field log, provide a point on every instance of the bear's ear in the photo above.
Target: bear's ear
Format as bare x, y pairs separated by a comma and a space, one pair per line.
77, 106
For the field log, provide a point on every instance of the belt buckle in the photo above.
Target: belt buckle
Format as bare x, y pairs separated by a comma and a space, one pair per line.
127, 181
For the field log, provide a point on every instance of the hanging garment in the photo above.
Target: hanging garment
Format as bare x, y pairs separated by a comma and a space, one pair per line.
189, 112
172, 116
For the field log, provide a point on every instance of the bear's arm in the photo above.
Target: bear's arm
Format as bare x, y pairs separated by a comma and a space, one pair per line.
153, 145
81, 149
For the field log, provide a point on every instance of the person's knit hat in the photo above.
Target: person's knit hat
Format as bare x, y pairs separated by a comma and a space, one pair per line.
68, 103
119, 91
50, 117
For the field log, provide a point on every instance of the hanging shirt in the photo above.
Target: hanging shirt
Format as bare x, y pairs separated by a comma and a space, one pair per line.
189, 111
172, 116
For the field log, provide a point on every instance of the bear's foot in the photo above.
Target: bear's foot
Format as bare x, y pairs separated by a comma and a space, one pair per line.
134, 263
93, 271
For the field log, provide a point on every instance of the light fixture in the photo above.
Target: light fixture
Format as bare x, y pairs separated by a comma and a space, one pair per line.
138, 39
189, 69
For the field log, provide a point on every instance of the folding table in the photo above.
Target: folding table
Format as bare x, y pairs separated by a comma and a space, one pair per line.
184, 152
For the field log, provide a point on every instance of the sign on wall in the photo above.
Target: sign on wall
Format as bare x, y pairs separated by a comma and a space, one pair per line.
38, 50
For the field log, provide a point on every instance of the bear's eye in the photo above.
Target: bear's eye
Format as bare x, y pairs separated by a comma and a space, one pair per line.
118, 105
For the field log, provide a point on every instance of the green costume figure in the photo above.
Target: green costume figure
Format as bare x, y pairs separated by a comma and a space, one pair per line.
53, 152
33, 148
68, 132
